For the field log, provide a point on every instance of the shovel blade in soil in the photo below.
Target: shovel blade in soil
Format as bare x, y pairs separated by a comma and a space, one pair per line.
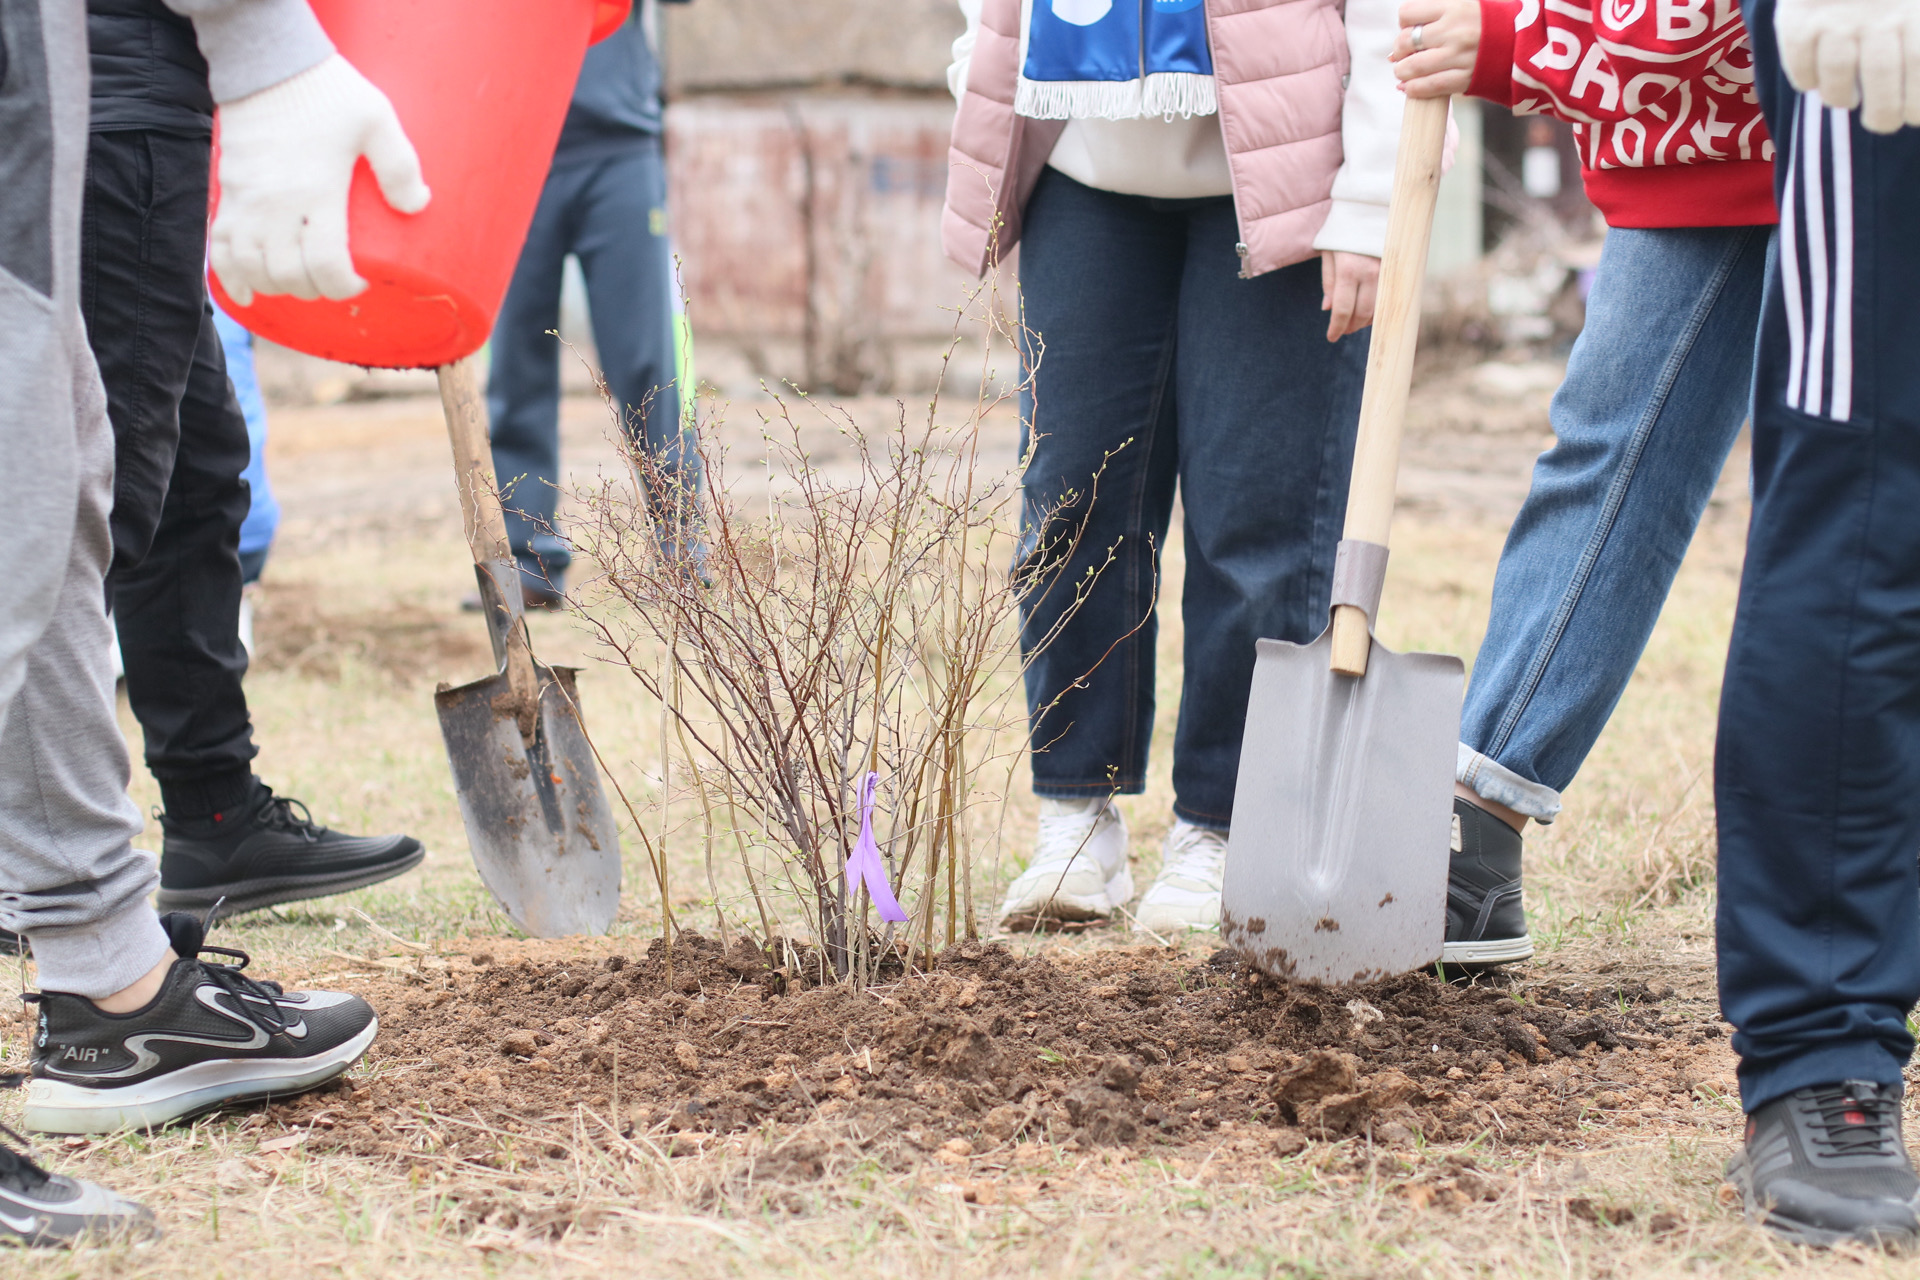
542, 834
1337, 862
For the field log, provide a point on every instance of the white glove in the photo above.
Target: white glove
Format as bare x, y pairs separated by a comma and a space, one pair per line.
286, 162
1857, 53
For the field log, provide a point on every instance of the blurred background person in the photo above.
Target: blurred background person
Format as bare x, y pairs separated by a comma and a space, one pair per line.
263, 509
605, 203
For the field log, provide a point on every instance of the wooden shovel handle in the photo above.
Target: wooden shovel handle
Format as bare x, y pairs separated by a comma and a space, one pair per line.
486, 523
466, 411
1396, 333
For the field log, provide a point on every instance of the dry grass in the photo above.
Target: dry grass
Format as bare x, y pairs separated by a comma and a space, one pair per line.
1619, 882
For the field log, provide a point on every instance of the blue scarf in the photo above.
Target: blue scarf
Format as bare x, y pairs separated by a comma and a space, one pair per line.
1116, 60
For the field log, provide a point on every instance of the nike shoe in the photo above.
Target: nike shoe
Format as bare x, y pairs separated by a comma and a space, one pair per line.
1185, 896
1486, 918
269, 850
41, 1208
212, 1037
1079, 868
1827, 1164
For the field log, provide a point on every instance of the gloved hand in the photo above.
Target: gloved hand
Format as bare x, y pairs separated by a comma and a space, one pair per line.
287, 155
1863, 53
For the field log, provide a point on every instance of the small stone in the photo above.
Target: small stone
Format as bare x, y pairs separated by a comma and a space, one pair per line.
1289, 1142
1003, 1122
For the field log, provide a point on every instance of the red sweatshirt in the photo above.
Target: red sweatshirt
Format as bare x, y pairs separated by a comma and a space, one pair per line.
1660, 94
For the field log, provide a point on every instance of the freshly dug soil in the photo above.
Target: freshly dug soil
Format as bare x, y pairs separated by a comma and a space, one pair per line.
1134, 1047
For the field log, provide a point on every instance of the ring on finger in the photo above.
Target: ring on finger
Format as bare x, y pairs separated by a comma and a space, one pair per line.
1418, 34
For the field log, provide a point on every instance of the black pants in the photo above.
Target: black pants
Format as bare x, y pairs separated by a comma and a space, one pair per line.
180, 445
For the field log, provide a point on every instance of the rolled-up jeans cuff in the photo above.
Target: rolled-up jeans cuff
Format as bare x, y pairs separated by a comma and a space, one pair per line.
98, 959
1491, 780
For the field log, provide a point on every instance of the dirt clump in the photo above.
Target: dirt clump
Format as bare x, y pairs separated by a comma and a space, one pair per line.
1130, 1047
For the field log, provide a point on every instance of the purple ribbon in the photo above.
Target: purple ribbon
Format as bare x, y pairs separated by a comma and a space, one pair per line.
865, 865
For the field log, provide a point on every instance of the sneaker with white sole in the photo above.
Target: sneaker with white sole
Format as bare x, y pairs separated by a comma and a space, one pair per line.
1486, 916
211, 1038
1079, 868
42, 1209
1185, 896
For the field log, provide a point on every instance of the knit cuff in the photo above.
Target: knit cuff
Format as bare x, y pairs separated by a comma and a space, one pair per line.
207, 795
252, 45
1493, 65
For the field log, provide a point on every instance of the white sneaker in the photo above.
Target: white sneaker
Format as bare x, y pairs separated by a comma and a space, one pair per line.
1079, 868
1186, 894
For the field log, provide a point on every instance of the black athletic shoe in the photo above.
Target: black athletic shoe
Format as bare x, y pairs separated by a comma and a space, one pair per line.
1486, 921
1827, 1164
213, 1036
270, 850
41, 1208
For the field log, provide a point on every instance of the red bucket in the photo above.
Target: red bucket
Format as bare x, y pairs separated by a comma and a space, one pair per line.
482, 87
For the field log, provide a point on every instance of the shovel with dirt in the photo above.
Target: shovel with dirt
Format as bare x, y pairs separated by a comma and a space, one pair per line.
542, 834
1336, 866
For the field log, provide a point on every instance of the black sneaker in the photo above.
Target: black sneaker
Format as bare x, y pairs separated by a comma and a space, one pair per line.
213, 1036
1486, 921
1827, 1164
41, 1208
270, 850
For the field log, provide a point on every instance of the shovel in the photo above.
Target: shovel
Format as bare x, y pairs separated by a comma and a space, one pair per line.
542, 834
1336, 865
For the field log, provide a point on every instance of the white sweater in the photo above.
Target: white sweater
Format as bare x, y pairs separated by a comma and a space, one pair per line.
1185, 157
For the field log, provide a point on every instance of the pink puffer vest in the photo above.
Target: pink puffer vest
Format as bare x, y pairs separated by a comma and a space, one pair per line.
1279, 66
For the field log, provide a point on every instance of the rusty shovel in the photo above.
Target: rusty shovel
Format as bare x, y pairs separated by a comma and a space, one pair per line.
1336, 864
538, 822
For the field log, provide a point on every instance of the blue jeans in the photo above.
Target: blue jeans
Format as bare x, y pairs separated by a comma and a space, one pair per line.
1155, 365
1655, 393
607, 207
263, 513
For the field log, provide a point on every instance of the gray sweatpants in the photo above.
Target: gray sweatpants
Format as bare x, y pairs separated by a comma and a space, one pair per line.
70, 879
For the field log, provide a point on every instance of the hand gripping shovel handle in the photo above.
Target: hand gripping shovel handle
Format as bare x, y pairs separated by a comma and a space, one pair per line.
486, 524
1383, 404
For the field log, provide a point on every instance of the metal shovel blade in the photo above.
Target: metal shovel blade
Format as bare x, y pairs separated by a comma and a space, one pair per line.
1337, 862
543, 836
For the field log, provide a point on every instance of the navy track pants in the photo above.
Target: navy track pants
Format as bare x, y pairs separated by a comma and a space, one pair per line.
1817, 768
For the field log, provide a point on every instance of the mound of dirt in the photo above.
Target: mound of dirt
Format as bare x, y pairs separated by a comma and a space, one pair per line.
1133, 1047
